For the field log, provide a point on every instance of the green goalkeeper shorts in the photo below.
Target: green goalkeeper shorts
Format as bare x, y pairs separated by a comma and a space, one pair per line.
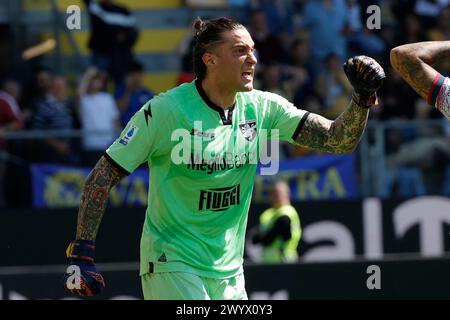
188, 286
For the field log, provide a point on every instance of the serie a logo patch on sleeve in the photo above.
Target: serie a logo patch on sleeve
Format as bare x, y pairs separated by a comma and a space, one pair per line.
129, 135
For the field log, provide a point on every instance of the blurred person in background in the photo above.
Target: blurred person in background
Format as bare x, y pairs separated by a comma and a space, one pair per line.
54, 112
285, 80
185, 53
10, 94
299, 60
113, 35
428, 10
333, 87
36, 91
268, 45
410, 30
399, 103
279, 230
441, 32
328, 24
279, 14
361, 40
131, 95
99, 115
271, 79
11, 119
399, 100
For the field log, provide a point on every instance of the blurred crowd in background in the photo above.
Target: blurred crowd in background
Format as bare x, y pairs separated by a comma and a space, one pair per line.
300, 47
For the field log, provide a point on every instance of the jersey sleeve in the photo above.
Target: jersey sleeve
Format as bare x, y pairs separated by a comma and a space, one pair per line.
284, 117
143, 136
439, 95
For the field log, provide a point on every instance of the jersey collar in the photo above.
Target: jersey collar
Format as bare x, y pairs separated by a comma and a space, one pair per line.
215, 107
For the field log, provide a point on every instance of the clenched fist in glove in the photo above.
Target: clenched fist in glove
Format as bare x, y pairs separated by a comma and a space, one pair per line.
366, 77
82, 277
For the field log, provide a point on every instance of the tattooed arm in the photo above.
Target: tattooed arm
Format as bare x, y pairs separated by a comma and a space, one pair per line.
94, 198
339, 136
414, 63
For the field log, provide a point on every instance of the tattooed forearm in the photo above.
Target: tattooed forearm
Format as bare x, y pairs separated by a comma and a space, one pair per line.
94, 198
339, 136
414, 63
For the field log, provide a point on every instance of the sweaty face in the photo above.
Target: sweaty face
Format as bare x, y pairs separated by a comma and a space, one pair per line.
235, 67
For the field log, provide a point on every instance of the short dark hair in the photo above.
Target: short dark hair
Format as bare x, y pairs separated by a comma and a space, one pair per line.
135, 66
209, 32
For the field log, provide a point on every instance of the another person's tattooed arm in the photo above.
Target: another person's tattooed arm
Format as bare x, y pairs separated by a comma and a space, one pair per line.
415, 62
95, 197
339, 136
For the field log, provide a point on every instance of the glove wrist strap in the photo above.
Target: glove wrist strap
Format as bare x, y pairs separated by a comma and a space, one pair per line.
365, 101
81, 250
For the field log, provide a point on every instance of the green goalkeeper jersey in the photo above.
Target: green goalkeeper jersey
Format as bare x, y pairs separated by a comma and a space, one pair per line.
202, 164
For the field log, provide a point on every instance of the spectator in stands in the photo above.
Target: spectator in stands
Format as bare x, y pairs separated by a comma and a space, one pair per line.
10, 93
284, 80
271, 80
299, 60
441, 32
328, 24
428, 10
430, 154
36, 91
54, 112
99, 115
399, 99
333, 87
398, 102
132, 95
441, 29
113, 35
268, 46
411, 30
279, 16
361, 39
279, 229
185, 53
11, 119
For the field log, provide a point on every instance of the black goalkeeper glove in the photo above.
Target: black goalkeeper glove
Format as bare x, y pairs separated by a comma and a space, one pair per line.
366, 76
81, 257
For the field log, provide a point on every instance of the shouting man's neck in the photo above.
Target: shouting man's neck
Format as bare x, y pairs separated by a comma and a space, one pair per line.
218, 94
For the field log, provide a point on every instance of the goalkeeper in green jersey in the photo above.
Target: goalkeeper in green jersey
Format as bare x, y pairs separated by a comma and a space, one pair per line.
201, 141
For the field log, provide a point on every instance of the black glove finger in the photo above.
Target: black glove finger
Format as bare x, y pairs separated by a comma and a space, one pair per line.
97, 277
77, 292
376, 76
373, 73
86, 289
96, 282
368, 65
372, 76
348, 66
361, 63
375, 79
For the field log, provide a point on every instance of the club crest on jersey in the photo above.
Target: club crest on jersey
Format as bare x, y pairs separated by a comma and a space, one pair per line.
248, 129
129, 135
